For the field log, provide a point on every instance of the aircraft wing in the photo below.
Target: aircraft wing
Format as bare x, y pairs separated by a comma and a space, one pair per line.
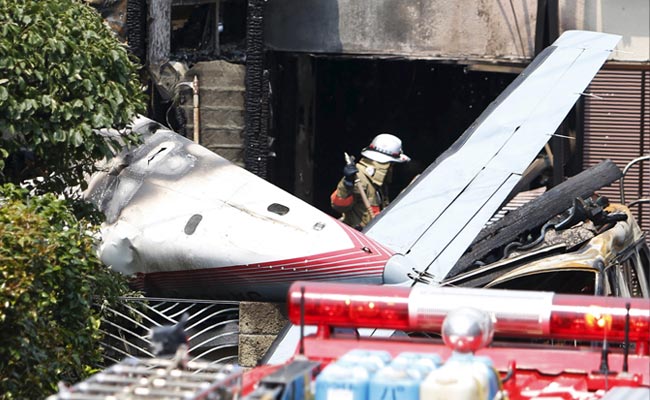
434, 221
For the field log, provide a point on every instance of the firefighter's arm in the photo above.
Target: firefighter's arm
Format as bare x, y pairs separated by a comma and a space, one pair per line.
342, 199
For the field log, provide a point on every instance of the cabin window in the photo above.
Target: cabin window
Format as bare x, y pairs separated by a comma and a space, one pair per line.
278, 209
192, 223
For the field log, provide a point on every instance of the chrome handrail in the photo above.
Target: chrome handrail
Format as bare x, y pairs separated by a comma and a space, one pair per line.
627, 168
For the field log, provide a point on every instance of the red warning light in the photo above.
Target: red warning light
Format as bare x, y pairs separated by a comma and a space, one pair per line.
598, 318
346, 305
516, 313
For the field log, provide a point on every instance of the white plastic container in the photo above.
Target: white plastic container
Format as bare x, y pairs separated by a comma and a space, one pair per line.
399, 381
349, 377
342, 381
460, 378
425, 362
373, 360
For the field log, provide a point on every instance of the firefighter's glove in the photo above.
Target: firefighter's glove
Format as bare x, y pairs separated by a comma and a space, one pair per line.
350, 174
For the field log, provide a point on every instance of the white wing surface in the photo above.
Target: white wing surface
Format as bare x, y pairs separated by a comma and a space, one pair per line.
435, 220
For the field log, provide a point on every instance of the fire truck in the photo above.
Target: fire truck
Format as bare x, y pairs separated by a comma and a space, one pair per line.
437, 343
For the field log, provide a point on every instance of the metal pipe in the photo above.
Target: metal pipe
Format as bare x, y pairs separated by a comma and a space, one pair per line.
627, 168
195, 89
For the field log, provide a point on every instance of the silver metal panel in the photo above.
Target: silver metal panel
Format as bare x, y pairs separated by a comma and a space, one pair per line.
159, 379
448, 237
424, 223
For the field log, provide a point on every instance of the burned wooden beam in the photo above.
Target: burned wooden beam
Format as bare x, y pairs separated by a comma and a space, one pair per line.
159, 35
537, 212
256, 153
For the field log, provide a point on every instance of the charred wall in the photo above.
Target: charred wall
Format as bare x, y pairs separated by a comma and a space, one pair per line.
465, 29
427, 104
474, 30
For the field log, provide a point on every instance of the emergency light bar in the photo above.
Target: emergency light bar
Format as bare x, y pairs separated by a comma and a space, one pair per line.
516, 313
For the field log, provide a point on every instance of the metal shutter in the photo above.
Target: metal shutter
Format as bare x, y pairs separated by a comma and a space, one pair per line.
617, 126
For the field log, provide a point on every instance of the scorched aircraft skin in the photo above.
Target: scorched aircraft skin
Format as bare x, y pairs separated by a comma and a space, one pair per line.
185, 222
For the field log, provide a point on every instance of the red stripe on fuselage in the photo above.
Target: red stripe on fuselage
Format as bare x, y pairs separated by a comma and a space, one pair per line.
366, 258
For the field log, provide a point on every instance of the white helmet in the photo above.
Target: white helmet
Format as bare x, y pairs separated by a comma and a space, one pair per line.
385, 148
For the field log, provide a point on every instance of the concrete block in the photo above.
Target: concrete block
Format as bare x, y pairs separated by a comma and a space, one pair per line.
218, 73
216, 118
227, 138
215, 98
262, 318
252, 348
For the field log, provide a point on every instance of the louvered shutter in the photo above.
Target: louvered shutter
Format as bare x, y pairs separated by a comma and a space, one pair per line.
617, 126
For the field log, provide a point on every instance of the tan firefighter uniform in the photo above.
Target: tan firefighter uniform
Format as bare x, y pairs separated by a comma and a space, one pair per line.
373, 172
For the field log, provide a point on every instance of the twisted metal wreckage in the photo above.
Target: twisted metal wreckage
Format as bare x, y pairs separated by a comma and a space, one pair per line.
185, 222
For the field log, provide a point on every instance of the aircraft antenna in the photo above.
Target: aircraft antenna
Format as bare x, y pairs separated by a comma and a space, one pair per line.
301, 350
604, 357
626, 343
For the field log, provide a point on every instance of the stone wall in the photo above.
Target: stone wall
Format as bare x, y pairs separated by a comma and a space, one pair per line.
259, 324
221, 99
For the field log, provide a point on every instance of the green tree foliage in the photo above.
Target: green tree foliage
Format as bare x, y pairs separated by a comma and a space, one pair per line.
63, 74
49, 281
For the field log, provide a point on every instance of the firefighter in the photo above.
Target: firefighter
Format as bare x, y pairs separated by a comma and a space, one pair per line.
362, 192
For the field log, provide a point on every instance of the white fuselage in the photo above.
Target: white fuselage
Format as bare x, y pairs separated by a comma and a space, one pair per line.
184, 221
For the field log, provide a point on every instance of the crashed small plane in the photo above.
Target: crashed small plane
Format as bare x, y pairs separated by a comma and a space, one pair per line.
185, 222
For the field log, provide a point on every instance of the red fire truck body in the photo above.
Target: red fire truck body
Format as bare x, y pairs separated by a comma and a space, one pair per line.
546, 346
